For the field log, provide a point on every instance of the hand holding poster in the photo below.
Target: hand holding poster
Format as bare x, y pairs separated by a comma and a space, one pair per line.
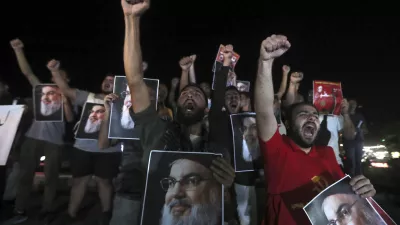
90, 122
10, 117
48, 103
243, 86
338, 204
327, 97
181, 189
220, 60
121, 123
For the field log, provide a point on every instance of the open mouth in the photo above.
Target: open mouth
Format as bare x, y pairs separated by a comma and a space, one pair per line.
233, 105
107, 86
309, 130
189, 107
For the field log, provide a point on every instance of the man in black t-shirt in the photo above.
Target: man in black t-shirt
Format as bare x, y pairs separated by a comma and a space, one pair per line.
354, 148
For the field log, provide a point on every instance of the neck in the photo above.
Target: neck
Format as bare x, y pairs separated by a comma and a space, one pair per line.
306, 150
195, 129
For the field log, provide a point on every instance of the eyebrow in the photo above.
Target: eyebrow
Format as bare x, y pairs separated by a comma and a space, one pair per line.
188, 175
340, 208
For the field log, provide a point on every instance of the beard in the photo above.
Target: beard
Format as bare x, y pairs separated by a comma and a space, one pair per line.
49, 109
189, 119
250, 152
126, 119
295, 135
200, 214
92, 127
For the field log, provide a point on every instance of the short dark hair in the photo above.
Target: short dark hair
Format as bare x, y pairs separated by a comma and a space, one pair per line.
195, 86
290, 111
232, 88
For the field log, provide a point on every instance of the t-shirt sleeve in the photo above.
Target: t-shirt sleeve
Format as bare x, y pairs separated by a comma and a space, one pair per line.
81, 97
273, 147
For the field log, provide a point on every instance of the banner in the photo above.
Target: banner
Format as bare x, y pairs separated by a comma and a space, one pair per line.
48, 103
338, 204
10, 117
121, 124
219, 60
327, 97
180, 189
90, 122
246, 149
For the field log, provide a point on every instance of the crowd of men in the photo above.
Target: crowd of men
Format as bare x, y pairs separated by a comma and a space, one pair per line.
294, 150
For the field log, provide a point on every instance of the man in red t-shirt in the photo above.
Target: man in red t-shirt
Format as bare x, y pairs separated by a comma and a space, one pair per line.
295, 170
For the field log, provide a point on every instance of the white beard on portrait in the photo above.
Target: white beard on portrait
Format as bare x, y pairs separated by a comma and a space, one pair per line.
49, 109
250, 153
126, 119
92, 127
200, 214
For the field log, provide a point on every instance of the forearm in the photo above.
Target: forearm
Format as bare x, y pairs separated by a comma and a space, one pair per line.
63, 85
103, 140
283, 86
133, 65
192, 75
69, 115
184, 79
349, 130
26, 68
291, 94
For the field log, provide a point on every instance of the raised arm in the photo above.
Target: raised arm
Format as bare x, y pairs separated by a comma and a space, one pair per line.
192, 73
133, 55
185, 63
23, 64
54, 67
292, 94
68, 112
282, 88
171, 95
349, 131
271, 48
103, 140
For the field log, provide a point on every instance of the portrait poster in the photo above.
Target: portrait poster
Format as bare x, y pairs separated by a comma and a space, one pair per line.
10, 117
243, 85
246, 149
91, 118
219, 60
121, 124
180, 189
339, 204
327, 97
48, 103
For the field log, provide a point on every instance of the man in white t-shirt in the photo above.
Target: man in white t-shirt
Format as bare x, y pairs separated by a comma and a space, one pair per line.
334, 125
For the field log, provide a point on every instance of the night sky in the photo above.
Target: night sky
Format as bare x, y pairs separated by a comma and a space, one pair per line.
87, 36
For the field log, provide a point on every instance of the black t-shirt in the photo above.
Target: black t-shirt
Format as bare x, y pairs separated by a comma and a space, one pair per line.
358, 121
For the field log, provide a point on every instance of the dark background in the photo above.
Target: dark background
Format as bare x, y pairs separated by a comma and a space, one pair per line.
159, 168
357, 48
37, 99
116, 130
84, 117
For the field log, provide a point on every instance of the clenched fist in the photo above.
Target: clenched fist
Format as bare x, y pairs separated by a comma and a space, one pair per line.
228, 53
17, 44
345, 106
135, 7
53, 65
273, 47
186, 62
296, 77
286, 69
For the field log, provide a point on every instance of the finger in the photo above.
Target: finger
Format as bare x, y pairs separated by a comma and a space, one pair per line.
365, 189
360, 184
223, 166
218, 171
219, 179
225, 162
369, 194
355, 179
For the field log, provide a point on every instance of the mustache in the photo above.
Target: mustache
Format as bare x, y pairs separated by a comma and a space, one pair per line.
183, 202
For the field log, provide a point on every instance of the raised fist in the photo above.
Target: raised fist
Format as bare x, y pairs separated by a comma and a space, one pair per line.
296, 77
286, 68
273, 47
174, 82
228, 53
17, 44
186, 62
53, 65
193, 57
135, 7
345, 106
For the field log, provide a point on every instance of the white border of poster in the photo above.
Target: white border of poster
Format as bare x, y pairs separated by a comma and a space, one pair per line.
328, 188
249, 114
35, 106
180, 152
113, 105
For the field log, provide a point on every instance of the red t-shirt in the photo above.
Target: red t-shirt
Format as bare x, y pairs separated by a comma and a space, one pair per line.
294, 178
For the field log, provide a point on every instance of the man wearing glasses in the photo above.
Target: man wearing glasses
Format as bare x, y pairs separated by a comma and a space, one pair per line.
192, 195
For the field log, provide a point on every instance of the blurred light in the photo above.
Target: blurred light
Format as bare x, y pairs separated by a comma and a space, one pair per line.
381, 155
383, 140
380, 165
373, 147
341, 145
122, 147
395, 155
42, 158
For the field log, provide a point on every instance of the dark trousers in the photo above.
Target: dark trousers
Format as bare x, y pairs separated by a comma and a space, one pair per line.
31, 151
354, 153
2, 181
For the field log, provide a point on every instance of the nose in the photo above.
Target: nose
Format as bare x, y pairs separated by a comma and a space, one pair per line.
311, 118
178, 191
